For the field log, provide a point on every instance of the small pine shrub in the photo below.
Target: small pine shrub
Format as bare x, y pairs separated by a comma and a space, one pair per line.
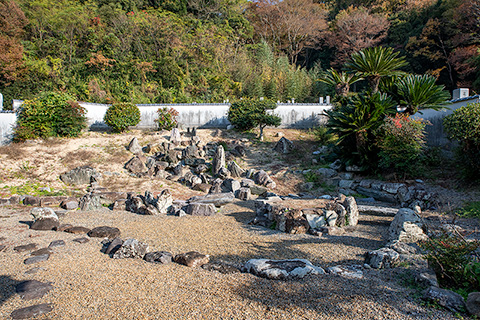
120, 116
464, 125
51, 114
167, 118
400, 140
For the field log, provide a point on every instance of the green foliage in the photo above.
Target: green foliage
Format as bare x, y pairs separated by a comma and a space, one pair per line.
323, 136
454, 261
400, 140
120, 116
420, 92
33, 189
340, 81
464, 125
166, 118
247, 114
50, 115
355, 124
471, 209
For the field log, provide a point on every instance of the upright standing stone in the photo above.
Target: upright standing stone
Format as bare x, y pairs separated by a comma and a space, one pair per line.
134, 146
175, 137
218, 160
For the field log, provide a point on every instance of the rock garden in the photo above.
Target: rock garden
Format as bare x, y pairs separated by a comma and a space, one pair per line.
171, 224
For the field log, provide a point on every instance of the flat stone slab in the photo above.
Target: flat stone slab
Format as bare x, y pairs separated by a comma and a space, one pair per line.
220, 267
32, 289
42, 251
217, 199
56, 243
192, 259
350, 272
36, 259
104, 232
32, 311
77, 230
281, 269
33, 270
25, 247
377, 210
81, 240
161, 257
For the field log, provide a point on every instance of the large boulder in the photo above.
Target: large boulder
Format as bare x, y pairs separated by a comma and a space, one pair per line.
136, 165
104, 232
131, 248
407, 226
134, 146
262, 178
201, 209
90, 202
473, 303
80, 175
284, 146
218, 160
445, 298
281, 269
44, 219
235, 169
175, 137
382, 258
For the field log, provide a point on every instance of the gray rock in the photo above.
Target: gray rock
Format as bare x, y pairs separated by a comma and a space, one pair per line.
77, 230
136, 165
336, 165
218, 160
201, 209
326, 172
446, 298
216, 186
134, 146
218, 199
378, 195
473, 303
36, 259
161, 257
42, 251
69, 204
258, 190
235, 169
201, 168
392, 187
404, 248
244, 194
90, 202
350, 272
230, 185
45, 224
250, 174
262, 178
284, 146
32, 289
426, 279
345, 184
131, 248
247, 183
203, 187
81, 240
331, 218
56, 244
192, 259
315, 221
352, 211
407, 226
113, 246
104, 232
332, 231
34, 270
164, 202
32, 311
80, 175
223, 173
43, 213
281, 269
25, 247
382, 258
175, 137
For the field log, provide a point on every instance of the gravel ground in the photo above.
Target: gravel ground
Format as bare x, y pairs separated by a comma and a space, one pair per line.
90, 285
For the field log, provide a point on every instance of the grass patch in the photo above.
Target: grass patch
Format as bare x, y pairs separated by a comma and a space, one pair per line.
33, 189
471, 210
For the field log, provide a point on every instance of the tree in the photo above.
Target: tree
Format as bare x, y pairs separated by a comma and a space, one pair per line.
341, 81
375, 63
247, 114
12, 21
290, 25
420, 92
355, 29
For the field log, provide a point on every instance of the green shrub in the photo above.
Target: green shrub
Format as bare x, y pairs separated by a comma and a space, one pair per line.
120, 116
323, 136
247, 114
464, 125
400, 140
166, 118
50, 115
454, 261
471, 209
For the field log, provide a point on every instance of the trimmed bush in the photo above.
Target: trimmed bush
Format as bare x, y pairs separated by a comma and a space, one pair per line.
464, 125
51, 114
247, 114
120, 116
400, 140
167, 118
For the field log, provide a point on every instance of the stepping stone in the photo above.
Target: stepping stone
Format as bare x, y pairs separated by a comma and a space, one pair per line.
26, 247
2, 248
56, 243
114, 246
281, 269
77, 230
42, 251
81, 240
33, 270
32, 289
192, 259
131, 248
32, 311
63, 227
161, 257
36, 259
104, 232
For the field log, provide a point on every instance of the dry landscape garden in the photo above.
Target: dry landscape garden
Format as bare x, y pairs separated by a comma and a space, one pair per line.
359, 216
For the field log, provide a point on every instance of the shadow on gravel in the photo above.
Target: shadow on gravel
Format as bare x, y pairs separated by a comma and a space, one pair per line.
7, 285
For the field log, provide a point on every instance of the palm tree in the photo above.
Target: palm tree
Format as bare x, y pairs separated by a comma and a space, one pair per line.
420, 92
375, 63
340, 81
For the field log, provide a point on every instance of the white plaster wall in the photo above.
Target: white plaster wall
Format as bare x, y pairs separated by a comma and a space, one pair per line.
7, 121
